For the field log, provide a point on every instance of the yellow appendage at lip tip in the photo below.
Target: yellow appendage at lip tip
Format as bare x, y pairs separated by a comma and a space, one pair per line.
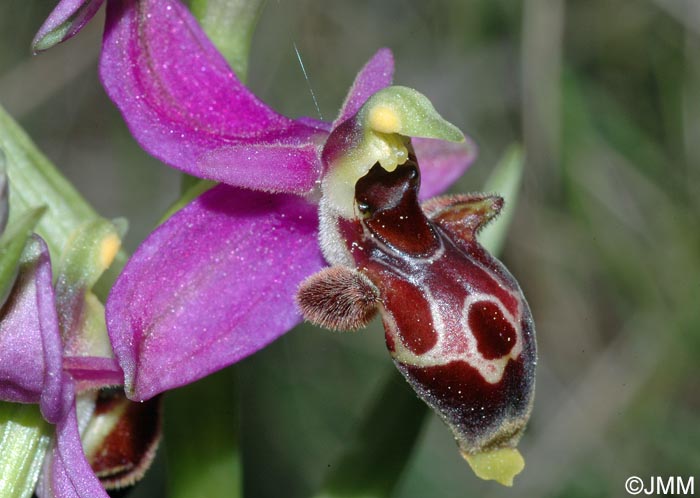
500, 465
384, 119
108, 249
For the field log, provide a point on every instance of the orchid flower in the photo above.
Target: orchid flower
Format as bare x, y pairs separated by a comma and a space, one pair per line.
60, 373
235, 255
34, 370
218, 280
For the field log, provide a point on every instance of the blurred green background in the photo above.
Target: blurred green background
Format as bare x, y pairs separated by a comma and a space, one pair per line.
605, 97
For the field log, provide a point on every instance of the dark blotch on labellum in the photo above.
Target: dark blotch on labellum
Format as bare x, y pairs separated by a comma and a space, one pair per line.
495, 336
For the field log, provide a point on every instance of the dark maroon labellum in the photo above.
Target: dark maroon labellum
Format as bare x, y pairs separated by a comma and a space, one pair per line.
456, 322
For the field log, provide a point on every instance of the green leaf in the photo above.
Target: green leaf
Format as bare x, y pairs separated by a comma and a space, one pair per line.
35, 182
376, 456
230, 25
24, 440
201, 439
12, 244
505, 181
4, 193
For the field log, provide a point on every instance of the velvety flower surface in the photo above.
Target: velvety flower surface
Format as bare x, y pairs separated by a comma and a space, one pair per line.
211, 286
216, 282
185, 106
30, 342
35, 368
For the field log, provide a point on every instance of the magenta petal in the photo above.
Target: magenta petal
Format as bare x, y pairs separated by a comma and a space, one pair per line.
212, 285
66, 471
375, 75
30, 341
184, 104
441, 163
93, 372
323, 126
273, 168
64, 22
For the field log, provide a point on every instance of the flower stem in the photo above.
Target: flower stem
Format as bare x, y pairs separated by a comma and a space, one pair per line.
201, 439
24, 440
230, 25
35, 182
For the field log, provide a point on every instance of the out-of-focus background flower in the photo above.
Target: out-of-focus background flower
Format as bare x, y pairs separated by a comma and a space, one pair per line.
605, 97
